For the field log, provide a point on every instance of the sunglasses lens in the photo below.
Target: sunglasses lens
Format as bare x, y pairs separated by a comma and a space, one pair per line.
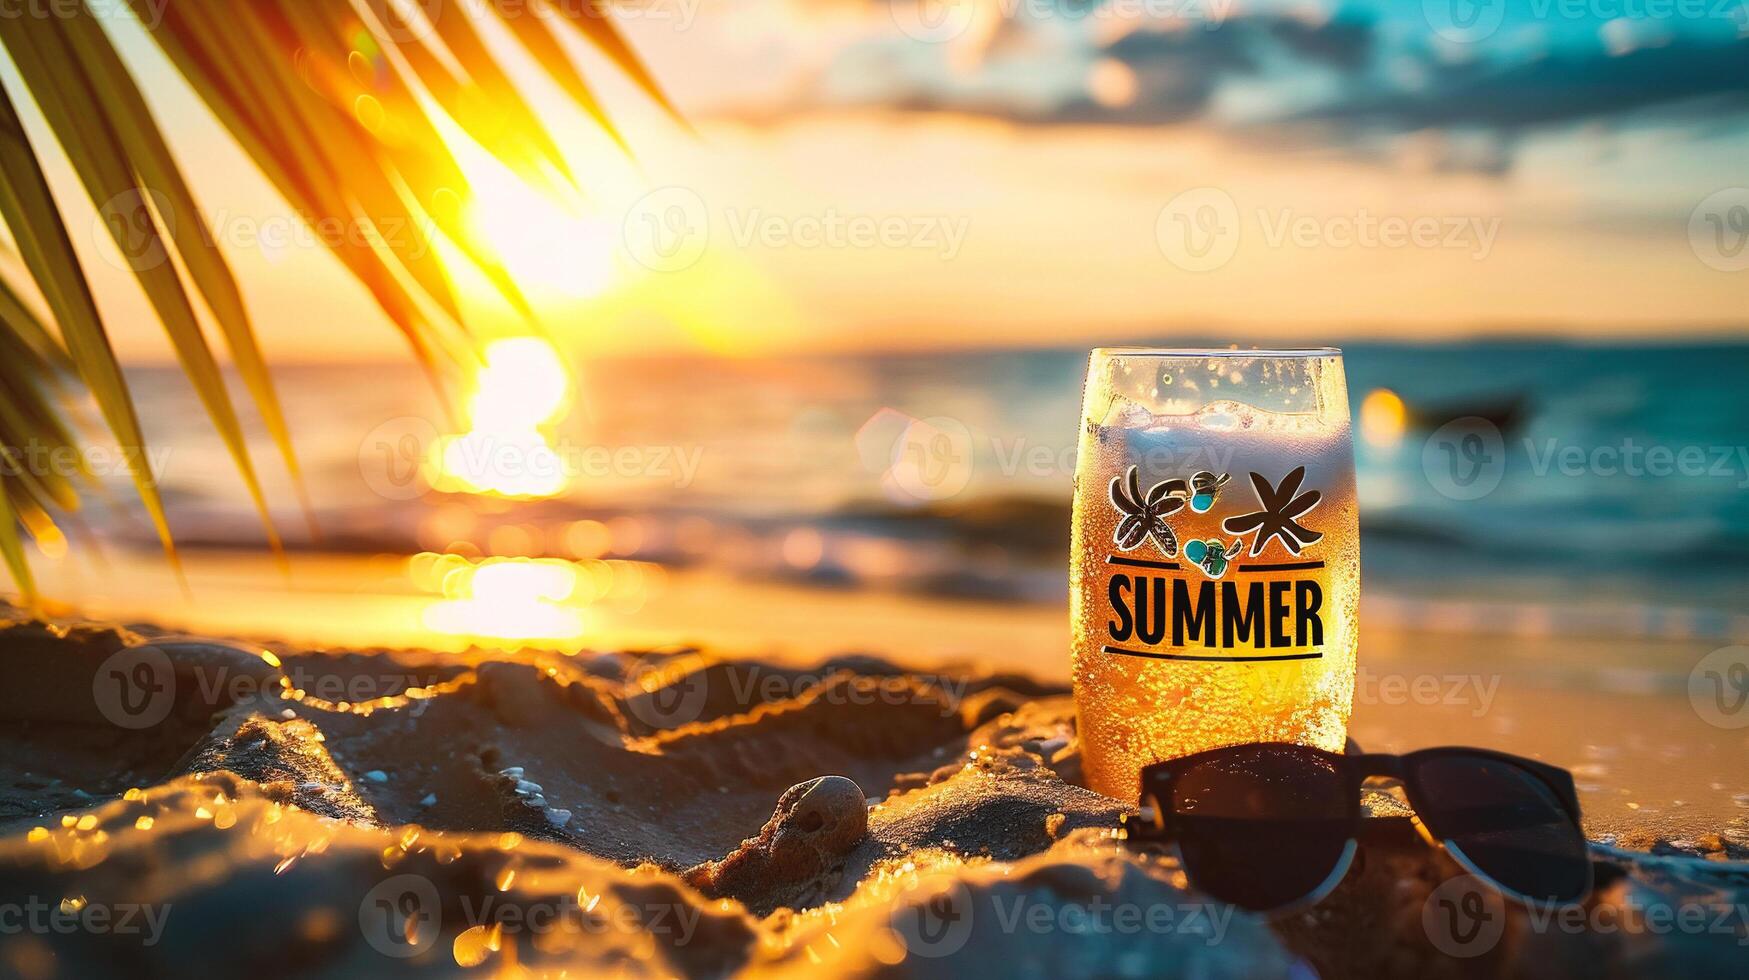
1262, 826
1506, 822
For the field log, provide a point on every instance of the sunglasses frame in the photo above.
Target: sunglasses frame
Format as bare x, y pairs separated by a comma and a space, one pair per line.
1159, 778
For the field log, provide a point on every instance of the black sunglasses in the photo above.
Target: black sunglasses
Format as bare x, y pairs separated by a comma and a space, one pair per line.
1269, 826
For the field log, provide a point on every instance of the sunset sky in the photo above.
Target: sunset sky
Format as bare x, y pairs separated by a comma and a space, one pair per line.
999, 172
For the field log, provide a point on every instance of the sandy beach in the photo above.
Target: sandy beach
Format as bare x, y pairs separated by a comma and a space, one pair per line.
1653, 771
676, 812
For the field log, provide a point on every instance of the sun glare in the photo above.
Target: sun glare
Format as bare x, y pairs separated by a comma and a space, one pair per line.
520, 392
549, 238
544, 242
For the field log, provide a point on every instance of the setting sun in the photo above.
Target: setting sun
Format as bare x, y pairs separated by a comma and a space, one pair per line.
548, 244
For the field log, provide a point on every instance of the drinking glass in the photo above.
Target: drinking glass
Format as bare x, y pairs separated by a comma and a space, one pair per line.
1215, 564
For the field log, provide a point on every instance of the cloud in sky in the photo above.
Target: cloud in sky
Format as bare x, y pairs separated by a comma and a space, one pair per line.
1295, 72
1057, 138
1061, 130
1689, 80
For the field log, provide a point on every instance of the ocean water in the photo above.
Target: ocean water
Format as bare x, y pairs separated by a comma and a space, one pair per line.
1609, 488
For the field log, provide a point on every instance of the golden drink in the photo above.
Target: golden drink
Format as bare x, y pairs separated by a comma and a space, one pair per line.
1215, 570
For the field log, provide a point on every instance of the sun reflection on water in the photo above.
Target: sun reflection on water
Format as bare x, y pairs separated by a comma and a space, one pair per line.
1383, 419
518, 396
519, 393
506, 603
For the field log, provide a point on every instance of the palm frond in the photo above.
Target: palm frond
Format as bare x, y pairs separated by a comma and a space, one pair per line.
156, 169
484, 101
328, 98
89, 121
12, 549
29, 210
596, 25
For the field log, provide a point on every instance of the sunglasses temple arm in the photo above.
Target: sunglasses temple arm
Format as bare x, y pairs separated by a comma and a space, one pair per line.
1146, 824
